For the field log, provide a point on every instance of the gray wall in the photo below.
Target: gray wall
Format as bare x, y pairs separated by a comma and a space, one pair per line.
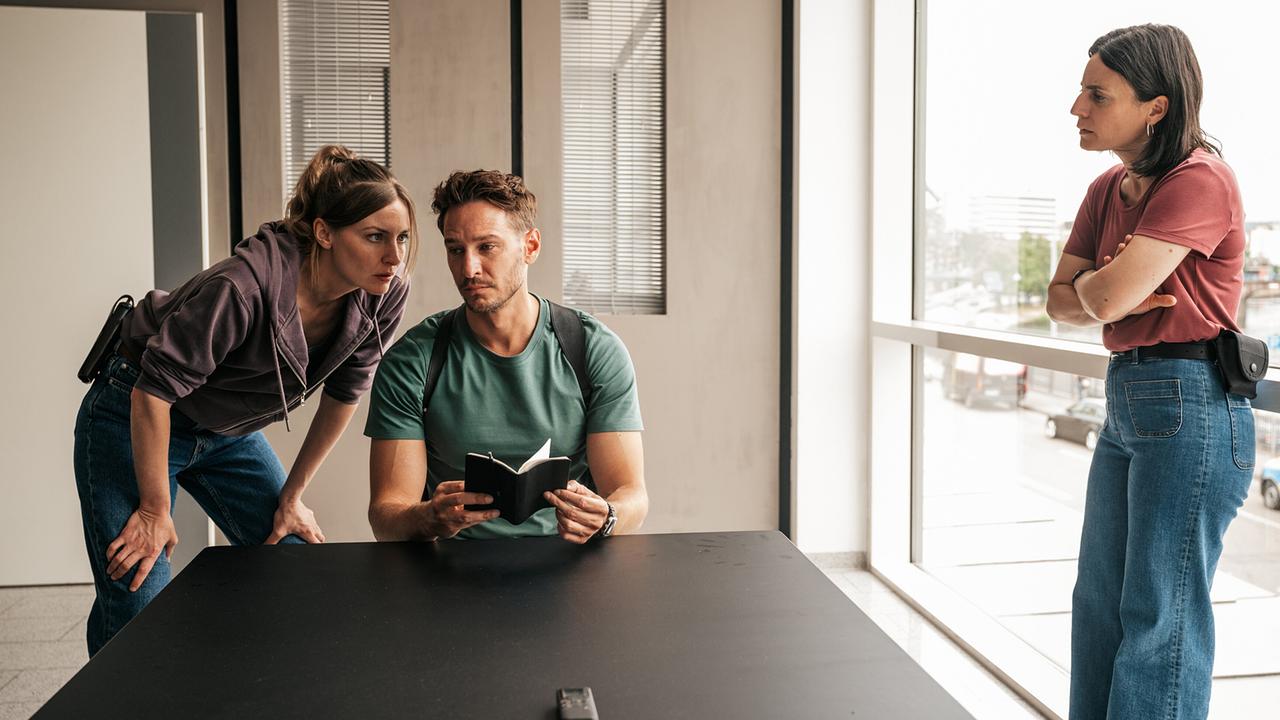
177, 159
75, 216
213, 42
262, 149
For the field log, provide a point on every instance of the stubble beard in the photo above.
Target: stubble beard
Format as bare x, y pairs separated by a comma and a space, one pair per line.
475, 305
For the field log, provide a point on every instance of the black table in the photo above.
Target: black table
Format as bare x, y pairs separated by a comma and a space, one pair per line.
706, 625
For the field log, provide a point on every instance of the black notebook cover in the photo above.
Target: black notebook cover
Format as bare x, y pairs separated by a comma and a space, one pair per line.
515, 495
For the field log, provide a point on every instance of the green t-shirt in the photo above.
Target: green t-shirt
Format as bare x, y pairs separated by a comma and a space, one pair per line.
505, 405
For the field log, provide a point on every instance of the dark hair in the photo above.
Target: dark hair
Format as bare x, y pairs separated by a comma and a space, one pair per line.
503, 191
1158, 60
342, 189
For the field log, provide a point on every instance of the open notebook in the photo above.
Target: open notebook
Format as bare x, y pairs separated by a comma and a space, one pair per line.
517, 494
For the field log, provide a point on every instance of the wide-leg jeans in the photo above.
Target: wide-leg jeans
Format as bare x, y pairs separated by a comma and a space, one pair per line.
1172, 467
236, 480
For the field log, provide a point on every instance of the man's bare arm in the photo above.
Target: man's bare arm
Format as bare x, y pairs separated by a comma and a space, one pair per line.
616, 460
397, 478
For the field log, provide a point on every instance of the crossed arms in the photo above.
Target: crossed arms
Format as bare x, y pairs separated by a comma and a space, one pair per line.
1125, 285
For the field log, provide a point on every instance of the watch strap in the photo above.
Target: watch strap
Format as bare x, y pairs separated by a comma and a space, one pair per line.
607, 529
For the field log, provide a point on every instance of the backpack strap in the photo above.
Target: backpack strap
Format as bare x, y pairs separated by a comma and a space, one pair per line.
439, 353
566, 324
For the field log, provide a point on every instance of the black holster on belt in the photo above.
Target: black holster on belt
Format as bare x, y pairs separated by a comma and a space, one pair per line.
107, 341
1242, 360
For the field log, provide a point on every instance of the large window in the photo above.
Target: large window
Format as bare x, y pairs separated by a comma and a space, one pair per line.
1004, 176
613, 69
1006, 404
335, 76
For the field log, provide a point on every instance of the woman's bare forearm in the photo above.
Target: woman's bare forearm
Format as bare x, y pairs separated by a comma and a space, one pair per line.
149, 434
1064, 306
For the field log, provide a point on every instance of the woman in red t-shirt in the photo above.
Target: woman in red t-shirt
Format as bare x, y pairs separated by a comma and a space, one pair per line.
1155, 256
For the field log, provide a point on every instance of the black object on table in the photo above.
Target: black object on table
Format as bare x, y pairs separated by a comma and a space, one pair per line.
700, 625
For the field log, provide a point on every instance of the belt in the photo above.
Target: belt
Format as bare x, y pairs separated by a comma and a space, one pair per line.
1203, 350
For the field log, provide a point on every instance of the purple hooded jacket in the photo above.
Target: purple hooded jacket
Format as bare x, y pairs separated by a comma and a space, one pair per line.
226, 348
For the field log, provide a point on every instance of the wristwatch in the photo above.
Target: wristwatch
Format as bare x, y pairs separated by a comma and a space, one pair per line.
607, 529
1076, 277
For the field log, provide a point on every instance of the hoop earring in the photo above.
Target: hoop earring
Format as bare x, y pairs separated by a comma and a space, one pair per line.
1151, 130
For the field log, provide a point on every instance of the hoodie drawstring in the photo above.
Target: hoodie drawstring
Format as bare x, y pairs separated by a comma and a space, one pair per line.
275, 357
268, 308
377, 310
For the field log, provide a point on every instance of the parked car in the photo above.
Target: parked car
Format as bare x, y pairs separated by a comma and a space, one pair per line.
976, 380
1271, 484
1081, 422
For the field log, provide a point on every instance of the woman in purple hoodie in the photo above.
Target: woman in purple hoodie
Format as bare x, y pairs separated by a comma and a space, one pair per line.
305, 303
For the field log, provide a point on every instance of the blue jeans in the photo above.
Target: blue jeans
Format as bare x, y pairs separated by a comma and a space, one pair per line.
1172, 468
237, 480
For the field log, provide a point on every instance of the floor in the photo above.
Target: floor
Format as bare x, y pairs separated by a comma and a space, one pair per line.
41, 643
972, 685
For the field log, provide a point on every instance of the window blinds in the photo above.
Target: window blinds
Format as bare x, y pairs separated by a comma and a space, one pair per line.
335, 62
613, 70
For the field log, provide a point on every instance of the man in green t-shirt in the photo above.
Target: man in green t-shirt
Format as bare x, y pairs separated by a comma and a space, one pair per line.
505, 387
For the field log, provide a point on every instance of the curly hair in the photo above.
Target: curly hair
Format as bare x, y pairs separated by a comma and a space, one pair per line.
502, 190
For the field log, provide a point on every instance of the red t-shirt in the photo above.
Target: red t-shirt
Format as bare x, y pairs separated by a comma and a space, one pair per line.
1195, 205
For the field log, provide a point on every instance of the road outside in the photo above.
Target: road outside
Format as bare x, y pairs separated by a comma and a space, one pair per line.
974, 448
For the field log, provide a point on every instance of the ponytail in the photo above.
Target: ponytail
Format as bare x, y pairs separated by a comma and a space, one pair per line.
342, 189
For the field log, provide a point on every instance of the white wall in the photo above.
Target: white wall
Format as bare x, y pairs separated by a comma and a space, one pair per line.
833, 278
75, 220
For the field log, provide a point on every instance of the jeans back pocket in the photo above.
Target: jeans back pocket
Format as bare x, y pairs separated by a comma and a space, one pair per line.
1155, 407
